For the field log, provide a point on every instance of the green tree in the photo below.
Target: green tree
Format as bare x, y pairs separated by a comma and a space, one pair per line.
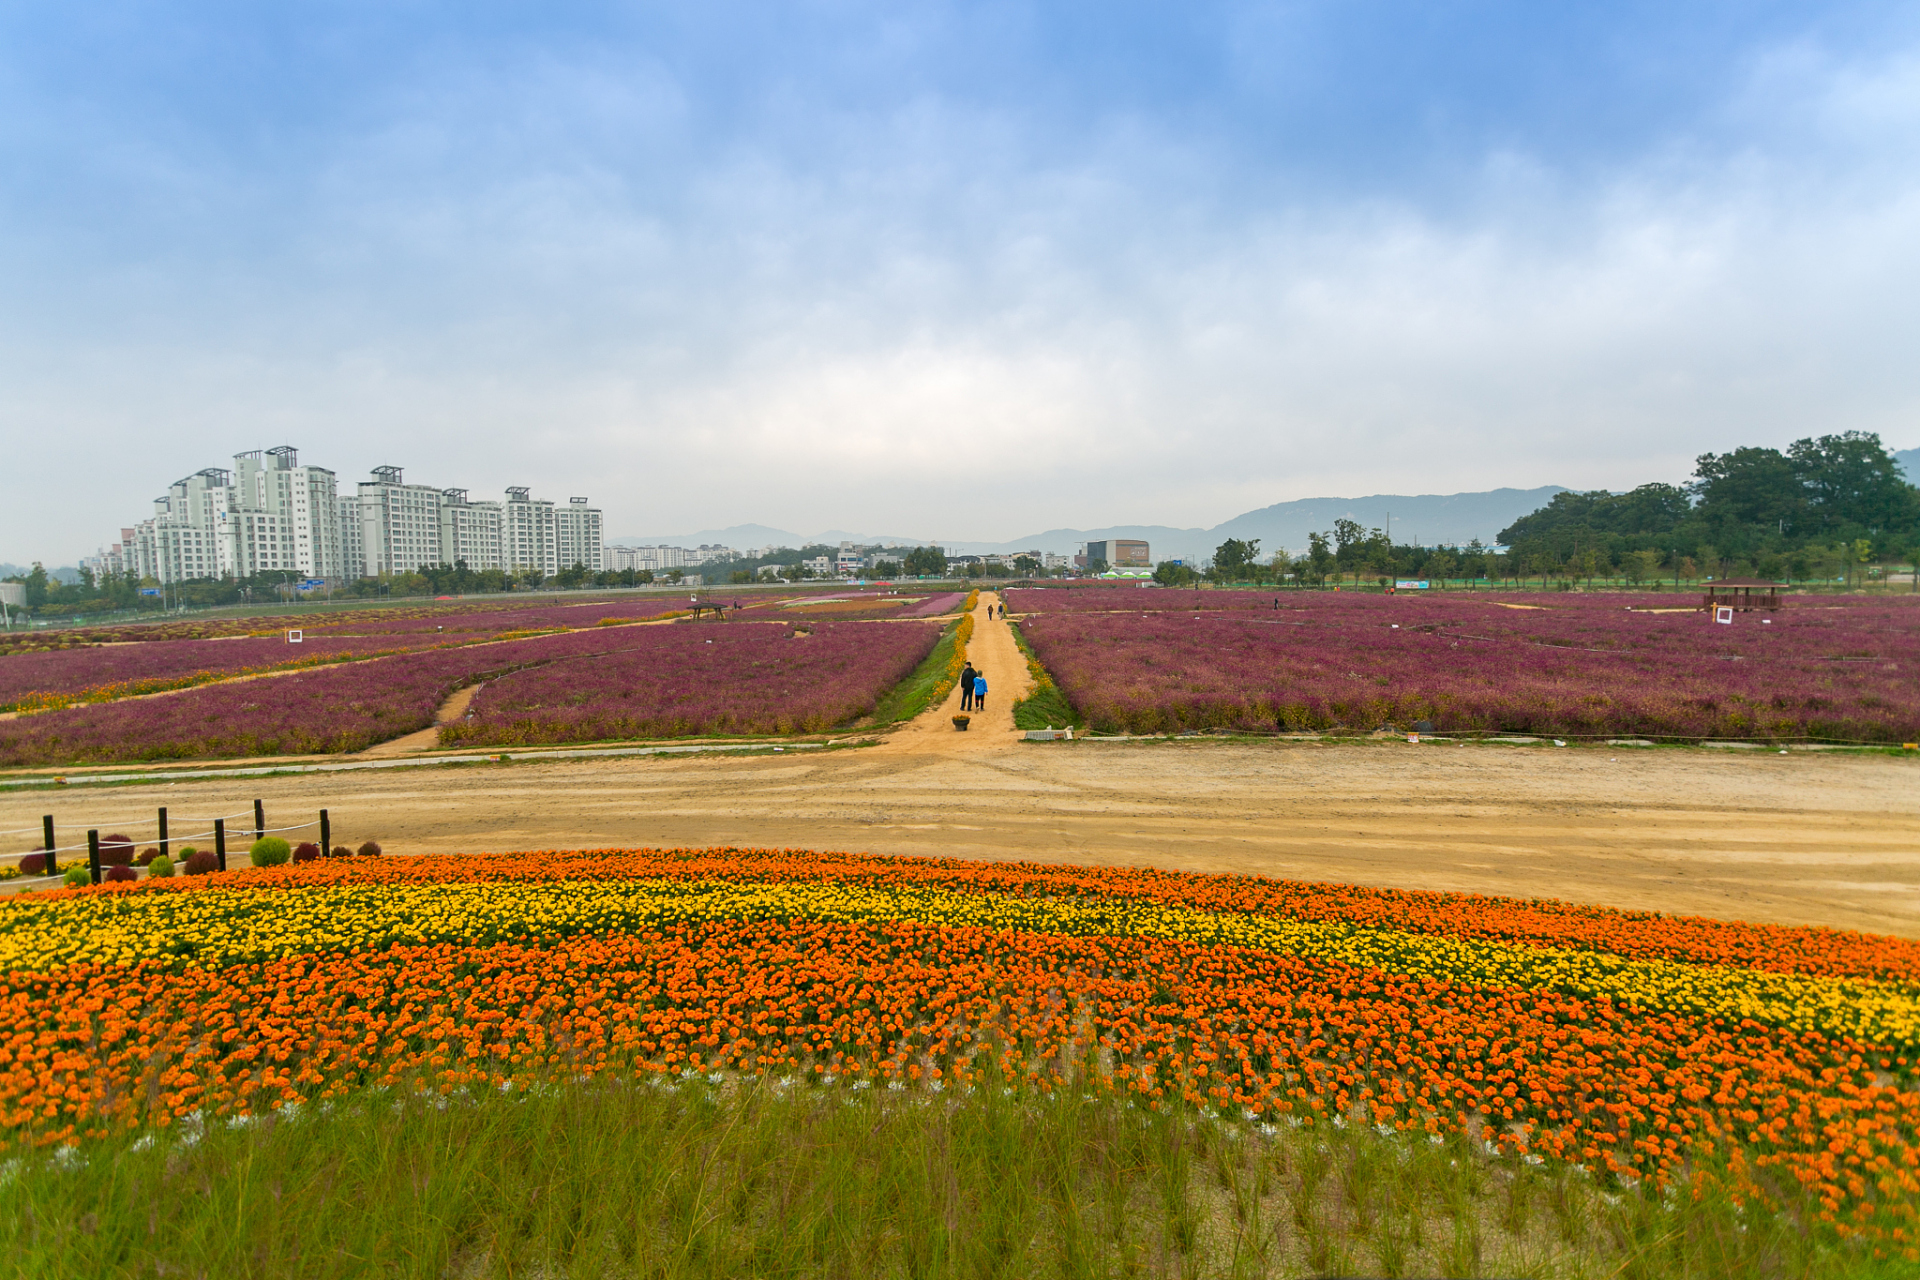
927, 562
1641, 565
1233, 559
1027, 567
1171, 573
1851, 481
36, 592
1320, 558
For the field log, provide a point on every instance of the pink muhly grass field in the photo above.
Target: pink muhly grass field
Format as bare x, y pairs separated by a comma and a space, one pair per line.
327, 711
1815, 670
121, 670
746, 678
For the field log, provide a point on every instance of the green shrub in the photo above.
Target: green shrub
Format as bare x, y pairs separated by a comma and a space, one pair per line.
269, 851
161, 867
77, 874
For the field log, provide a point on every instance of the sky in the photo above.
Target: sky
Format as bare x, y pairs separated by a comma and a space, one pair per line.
944, 269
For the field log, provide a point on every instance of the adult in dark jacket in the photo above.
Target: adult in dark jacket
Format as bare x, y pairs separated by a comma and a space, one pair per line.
967, 674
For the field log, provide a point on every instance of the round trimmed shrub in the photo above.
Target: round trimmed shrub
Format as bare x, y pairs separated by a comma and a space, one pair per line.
34, 864
147, 856
370, 850
269, 851
116, 851
120, 873
78, 875
340, 851
160, 868
306, 851
202, 863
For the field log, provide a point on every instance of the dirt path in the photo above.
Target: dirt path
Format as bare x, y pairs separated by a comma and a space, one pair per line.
1799, 839
425, 739
998, 657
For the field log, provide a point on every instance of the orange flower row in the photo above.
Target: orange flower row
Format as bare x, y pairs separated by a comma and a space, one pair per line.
88, 1050
1633, 934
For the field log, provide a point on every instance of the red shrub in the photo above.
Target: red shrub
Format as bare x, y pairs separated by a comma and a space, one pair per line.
340, 851
203, 862
369, 850
148, 855
116, 851
118, 872
34, 864
306, 851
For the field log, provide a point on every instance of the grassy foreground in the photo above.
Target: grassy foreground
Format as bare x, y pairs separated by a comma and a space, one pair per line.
693, 1178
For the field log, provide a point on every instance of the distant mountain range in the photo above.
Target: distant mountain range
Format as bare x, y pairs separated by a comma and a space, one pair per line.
1426, 518
1909, 460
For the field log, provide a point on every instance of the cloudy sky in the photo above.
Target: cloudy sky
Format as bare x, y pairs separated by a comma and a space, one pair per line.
967, 270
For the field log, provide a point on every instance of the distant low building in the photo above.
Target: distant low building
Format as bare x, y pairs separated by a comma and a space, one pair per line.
1116, 553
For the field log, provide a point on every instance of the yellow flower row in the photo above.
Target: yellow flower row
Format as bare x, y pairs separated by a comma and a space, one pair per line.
216, 927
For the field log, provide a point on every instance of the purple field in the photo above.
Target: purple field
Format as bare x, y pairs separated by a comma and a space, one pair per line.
1581, 666
674, 681
121, 670
334, 709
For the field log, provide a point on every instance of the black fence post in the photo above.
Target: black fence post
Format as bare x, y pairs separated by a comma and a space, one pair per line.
93, 854
164, 847
53, 859
259, 820
326, 835
220, 841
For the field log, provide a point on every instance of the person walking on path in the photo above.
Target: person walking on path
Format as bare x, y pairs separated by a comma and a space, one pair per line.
967, 676
979, 693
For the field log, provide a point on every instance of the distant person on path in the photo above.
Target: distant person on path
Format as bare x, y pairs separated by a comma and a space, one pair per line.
979, 693
967, 677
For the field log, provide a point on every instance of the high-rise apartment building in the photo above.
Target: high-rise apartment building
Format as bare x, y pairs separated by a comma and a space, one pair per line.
529, 536
577, 536
269, 514
399, 523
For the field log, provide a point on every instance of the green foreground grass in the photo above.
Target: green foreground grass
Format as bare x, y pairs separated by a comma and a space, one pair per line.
1044, 707
693, 1178
917, 692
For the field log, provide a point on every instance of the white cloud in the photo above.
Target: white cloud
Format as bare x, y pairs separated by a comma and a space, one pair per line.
938, 321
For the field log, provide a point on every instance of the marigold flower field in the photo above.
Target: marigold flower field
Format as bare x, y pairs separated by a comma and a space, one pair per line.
1625, 1042
1149, 661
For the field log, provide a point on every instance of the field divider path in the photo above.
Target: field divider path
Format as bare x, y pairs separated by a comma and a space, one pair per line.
994, 652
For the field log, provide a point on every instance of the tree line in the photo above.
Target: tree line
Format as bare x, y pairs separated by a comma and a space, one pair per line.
1823, 509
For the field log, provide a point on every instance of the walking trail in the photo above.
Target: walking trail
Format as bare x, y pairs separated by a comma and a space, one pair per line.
994, 652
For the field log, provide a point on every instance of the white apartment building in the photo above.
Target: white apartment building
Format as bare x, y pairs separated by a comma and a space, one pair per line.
270, 514
529, 536
353, 539
399, 524
471, 533
577, 536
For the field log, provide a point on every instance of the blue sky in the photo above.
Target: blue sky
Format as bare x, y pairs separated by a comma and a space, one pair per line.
963, 271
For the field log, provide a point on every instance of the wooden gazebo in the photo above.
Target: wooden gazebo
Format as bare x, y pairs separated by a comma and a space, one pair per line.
1744, 594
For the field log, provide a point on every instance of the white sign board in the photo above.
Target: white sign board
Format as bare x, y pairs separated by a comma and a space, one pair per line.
1723, 614
295, 637
14, 593
1410, 584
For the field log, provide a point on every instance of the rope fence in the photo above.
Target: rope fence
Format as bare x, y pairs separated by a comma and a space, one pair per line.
166, 838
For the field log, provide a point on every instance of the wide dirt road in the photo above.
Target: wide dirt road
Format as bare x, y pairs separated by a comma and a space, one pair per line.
1805, 838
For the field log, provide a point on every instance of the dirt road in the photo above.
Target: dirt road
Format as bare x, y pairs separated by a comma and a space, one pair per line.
1802, 838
